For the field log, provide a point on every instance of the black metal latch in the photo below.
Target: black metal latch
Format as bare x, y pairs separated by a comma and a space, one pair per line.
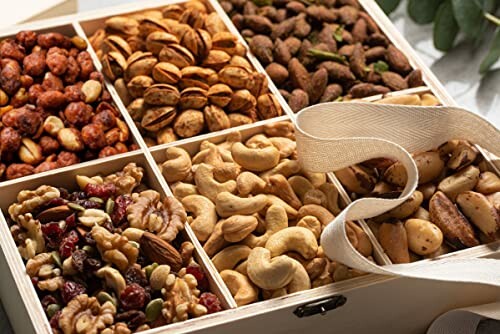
321, 306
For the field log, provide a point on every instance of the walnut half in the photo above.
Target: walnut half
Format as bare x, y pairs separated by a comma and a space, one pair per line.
84, 315
114, 248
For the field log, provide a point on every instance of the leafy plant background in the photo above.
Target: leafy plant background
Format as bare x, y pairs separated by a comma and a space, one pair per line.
474, 20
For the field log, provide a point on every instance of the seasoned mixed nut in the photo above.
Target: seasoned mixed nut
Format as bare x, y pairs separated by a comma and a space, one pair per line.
54, 110
323, 50
258, 215
456, 204
181, 73
107, 258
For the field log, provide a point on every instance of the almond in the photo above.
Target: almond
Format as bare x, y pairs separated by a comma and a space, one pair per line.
54, 214
160, 251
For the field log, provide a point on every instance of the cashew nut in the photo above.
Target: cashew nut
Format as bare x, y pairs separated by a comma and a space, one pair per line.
208, 186
284, 145
228, 204
241, 288
275, 200
204, 214
315, 196
113, 278
293, 239
248, 183
258, 141
270, 273
300, 281
278, 185
324, 216
315, 267
227, 171
231, 138
181, 189
312, 224
255, 159
242, 268
216, 241
276, 220
300, 185
317, 179
285, 167
177, 166
230, 257
238, 227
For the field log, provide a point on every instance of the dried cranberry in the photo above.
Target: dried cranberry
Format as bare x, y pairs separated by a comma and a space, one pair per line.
133, 297
34, 280
78, 258
54, 321
71, 221
47, 300
135, 275
120, 209
70, 290
92, 264
211, 302
68, 244
132, 318
103, 191
198, 273
64, 193
52, 233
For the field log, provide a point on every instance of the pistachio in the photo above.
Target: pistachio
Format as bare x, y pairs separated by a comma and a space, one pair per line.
158, 39
173, 12
103, 297
110, 205
166, 73
150, 268
140, 63
121, 89
151, 24
116, 44
198, 41
241, 61
216, 60
236, 119
157, 118
220, 95
189, 123
216, 118
194, 76
124, 25
176, 55
161, 95
214, 24
234, 76
137, 109
76, 207
113, 65
242, 101
153, 309
138, 85
193, 98
268, 106
52, 309
56, 258
70, 139
30, 152
91, 90
166, 135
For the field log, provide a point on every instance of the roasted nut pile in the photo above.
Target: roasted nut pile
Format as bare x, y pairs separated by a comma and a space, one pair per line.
319, 51
457, 204
426, 99
258, 215
181, 73
54, 109
107, 258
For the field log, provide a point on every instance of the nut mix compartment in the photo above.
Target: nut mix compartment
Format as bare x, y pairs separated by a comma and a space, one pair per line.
132, 203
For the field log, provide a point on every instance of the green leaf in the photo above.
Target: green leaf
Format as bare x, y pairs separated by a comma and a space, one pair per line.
445, 27
493, 54
337, 34
380, 67
469, 15
423, 11
388, 6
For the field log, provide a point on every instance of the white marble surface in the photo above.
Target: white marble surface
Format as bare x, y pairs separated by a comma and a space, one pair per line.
457, 70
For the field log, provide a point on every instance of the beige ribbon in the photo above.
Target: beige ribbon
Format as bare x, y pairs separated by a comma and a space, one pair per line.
332, 136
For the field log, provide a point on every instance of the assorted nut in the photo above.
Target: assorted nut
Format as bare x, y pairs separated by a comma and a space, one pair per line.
453, 208
107, 257
179, 71
258, 215
321, 51
54, 110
